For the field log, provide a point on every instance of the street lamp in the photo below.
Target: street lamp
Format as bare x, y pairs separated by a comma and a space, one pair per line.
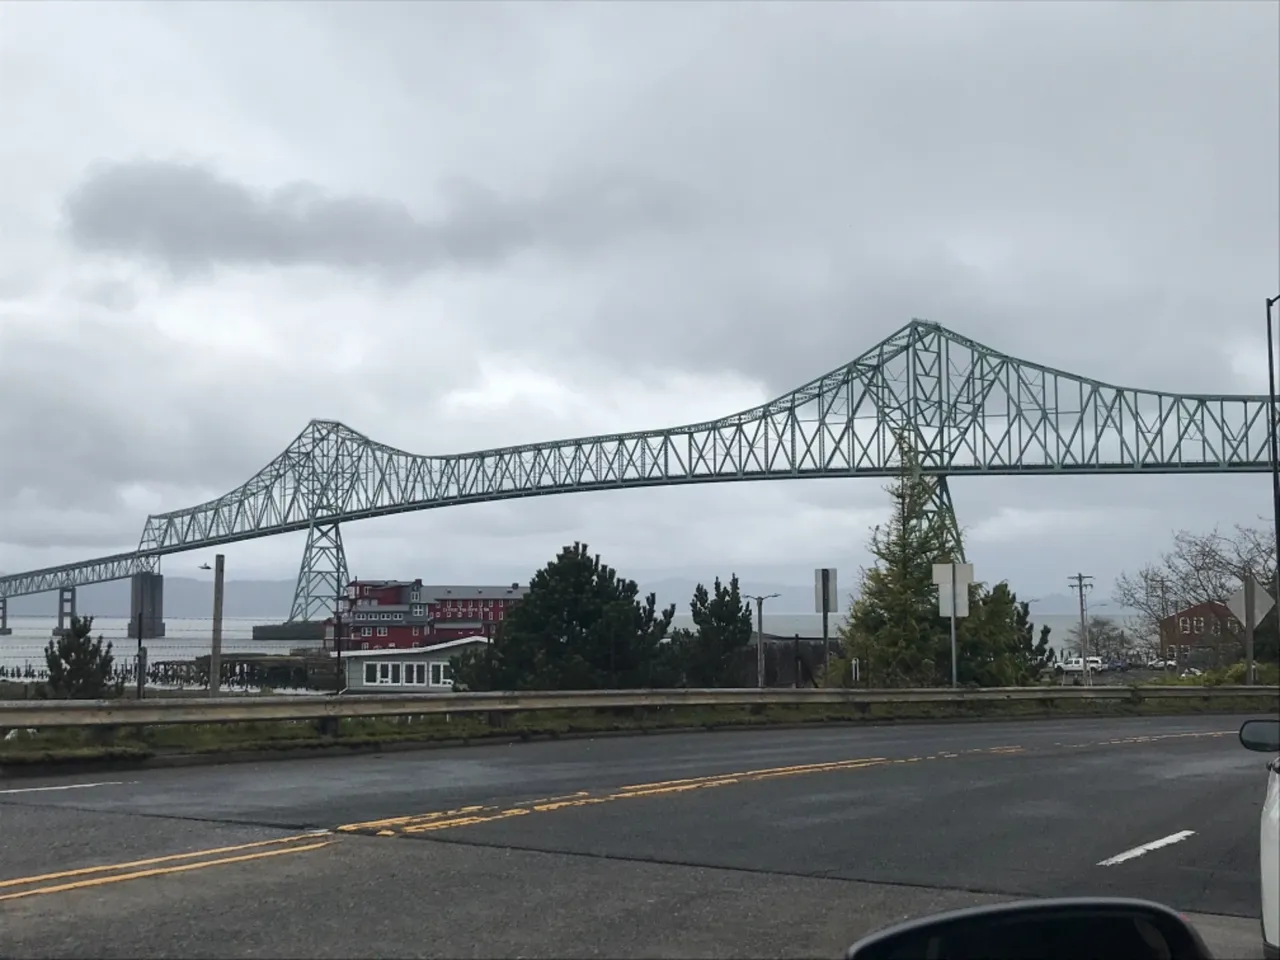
1271, 435
760, 634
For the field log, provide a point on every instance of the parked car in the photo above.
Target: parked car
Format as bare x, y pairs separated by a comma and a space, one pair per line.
1263, 736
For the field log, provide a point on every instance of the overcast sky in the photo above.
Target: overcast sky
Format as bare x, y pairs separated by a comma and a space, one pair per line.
458, 226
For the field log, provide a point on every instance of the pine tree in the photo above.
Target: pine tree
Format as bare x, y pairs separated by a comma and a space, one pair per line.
79, 666
723, 620
579, 627
893, 627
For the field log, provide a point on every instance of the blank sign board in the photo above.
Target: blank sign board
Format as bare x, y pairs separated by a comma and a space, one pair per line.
942, 576
833, 606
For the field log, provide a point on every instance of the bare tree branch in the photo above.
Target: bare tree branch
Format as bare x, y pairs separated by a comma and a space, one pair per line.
1199, 568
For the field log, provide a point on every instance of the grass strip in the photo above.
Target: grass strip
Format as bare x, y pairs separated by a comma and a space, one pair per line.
131, 744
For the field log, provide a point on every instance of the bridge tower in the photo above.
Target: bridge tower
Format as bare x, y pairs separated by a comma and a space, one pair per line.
5, 629
66, 610
941, 511
322, 576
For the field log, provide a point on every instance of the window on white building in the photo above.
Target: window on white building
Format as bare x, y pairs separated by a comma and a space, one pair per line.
370, 672
441, 674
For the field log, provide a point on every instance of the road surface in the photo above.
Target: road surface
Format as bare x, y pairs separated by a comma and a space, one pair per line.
746, 843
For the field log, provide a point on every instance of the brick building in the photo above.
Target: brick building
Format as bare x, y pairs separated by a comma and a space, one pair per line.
399, 614
1202, 634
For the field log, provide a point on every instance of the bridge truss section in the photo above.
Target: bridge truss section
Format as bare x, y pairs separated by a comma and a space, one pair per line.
967, 409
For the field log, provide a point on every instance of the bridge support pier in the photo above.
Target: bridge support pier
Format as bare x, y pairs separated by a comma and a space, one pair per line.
5, 629
66, 610
323, 575
146, 606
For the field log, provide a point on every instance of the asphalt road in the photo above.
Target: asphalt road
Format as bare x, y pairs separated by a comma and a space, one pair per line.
752, 843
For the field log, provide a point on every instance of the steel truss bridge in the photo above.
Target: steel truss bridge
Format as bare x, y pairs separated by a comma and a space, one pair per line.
965, 408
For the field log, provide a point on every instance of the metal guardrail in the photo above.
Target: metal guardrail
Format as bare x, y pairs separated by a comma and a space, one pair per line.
90, 713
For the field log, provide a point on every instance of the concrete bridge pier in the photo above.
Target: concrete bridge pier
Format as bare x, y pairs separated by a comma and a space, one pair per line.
146, 606
5, 629
66, 610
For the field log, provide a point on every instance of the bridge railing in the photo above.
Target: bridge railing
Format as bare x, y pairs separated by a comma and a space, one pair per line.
41, 714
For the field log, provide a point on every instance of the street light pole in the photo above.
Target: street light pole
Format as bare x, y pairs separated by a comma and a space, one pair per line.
215, 648
1271, 434
760, 634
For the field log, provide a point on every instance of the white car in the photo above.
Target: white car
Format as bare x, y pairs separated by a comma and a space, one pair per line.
1264, 737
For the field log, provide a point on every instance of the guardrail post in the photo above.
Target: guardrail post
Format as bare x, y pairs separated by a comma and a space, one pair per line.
329, 727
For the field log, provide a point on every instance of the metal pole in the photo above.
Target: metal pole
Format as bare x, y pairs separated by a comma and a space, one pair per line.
954, 683
826, 633
1271, 432
1250, 589
215, 652
339, 681
760, 642
142, 659
759, 634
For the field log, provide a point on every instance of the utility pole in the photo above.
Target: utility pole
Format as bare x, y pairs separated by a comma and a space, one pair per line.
1081, 583
760, 634
215, 651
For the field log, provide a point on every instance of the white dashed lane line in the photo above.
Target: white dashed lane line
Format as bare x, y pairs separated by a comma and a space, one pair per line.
67, 786
1147, 848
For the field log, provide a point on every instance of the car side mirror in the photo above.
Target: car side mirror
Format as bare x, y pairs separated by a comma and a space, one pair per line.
1261, 735
1056, 929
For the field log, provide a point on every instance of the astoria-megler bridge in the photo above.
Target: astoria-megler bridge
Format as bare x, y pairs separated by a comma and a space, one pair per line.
964, 407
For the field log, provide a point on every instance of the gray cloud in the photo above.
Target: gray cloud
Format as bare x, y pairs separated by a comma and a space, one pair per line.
189, 218
1090, 186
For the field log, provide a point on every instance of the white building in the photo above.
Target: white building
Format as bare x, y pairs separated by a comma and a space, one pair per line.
412, 670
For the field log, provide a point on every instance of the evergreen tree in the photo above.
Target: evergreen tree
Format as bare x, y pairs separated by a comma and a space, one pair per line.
708, 657
79, 666
893, 627
579, 627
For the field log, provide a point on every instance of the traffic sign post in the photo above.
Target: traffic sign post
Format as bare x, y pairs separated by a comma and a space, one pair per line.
1249, 604
953, 581
824, 602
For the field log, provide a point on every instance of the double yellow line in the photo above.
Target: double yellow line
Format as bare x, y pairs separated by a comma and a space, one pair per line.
35, 886
471, 815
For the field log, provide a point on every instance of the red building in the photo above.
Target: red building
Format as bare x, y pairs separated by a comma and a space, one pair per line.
400, 614
1206, 632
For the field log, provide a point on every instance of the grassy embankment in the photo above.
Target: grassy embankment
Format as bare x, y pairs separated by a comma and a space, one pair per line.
133, 744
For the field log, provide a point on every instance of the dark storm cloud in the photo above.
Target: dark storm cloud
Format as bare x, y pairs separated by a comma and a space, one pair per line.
189, 218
